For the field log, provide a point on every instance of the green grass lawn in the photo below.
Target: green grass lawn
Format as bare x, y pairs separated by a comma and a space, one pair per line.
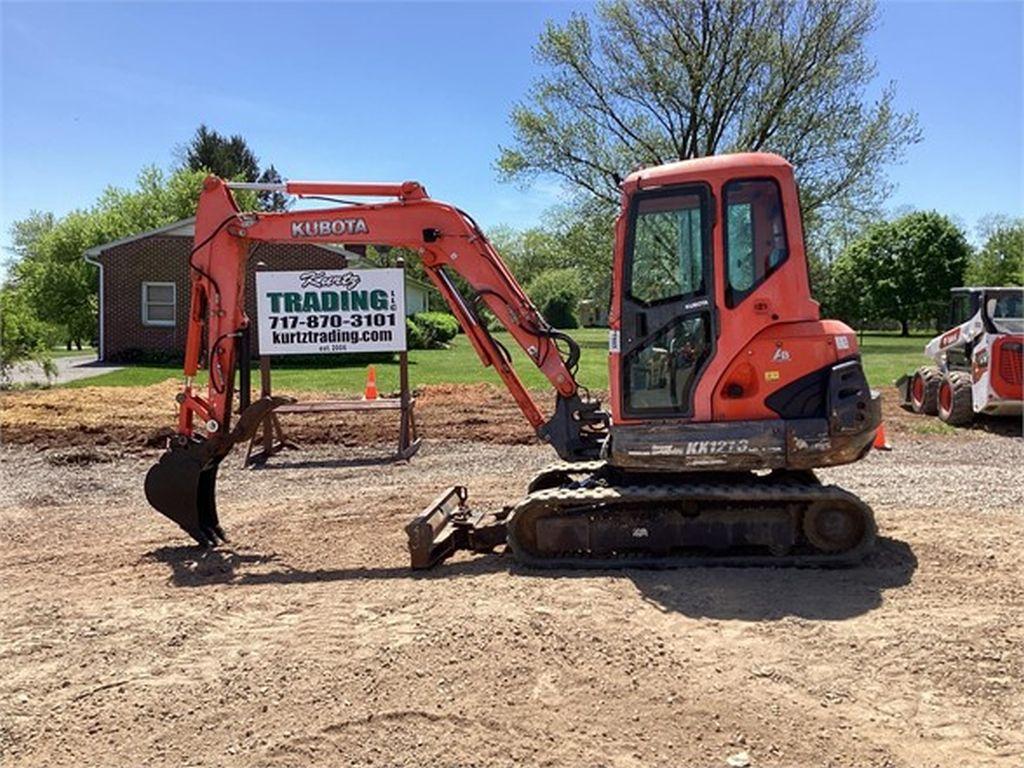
456, 365
62, 352
886, 357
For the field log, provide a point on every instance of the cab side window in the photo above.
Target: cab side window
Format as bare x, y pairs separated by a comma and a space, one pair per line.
961, 309
755, 236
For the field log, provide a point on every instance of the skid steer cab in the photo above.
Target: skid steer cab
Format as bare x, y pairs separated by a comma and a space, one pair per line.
719, 363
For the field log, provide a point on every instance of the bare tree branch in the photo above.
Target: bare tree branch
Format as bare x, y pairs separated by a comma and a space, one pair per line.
649, 81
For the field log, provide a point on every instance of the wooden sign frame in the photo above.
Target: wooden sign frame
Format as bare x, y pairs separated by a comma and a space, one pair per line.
270, 436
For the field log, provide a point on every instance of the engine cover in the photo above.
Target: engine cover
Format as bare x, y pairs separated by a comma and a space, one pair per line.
840, 436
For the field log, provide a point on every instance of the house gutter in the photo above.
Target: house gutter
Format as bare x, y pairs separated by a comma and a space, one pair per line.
91, 259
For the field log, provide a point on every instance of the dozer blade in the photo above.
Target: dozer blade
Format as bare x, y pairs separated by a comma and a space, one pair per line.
447, 525
182, 487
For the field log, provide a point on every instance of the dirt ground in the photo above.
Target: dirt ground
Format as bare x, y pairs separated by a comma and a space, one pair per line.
308, 642
129, 418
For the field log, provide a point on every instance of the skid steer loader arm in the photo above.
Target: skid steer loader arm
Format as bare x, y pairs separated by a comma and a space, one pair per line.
182, 484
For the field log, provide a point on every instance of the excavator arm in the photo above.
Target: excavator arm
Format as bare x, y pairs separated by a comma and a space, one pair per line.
182, 484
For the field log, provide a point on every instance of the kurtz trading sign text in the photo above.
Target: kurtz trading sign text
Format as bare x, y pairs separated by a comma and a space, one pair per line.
320, 311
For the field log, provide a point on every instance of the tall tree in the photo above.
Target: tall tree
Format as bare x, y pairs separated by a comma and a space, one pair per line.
900, 270
577, 237
226, 156
231, 158
653, 81
49, 275
23, 336
29, 230
1000, 261
272, 201
556, 293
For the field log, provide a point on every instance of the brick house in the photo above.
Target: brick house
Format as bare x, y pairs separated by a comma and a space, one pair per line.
144, 287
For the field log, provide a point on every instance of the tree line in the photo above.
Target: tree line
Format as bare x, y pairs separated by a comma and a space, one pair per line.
50, 294
894, 272
631, 83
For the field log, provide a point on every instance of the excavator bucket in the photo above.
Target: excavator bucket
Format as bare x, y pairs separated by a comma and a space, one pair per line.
182, 486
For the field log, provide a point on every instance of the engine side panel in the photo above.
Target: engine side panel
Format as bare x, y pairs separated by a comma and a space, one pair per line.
771, 376
997, 375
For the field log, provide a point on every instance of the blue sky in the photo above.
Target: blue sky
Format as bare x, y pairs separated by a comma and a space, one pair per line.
93, 92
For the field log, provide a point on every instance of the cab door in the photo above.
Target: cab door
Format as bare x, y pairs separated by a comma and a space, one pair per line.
667, 326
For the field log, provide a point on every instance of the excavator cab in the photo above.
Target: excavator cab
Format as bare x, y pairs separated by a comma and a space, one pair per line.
718, 354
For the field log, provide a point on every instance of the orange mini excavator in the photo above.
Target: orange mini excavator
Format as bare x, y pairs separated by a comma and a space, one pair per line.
726, 386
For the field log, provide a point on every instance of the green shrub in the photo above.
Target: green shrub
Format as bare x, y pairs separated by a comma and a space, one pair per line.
438, 328
23, 337
414, 336
556, 293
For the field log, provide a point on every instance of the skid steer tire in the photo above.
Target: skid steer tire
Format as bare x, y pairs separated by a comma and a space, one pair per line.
924, 390
955, 402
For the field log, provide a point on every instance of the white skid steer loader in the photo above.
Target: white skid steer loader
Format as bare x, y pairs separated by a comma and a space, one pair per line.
978, 364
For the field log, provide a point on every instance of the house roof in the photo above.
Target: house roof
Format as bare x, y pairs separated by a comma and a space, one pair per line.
183, 228
187, 228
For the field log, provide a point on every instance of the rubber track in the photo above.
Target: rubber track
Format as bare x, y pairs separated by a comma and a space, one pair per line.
594, 501
562, 469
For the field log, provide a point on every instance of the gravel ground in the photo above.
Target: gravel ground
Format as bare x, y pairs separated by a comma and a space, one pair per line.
308, 642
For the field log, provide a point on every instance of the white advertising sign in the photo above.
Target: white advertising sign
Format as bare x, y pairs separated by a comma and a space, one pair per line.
324, 311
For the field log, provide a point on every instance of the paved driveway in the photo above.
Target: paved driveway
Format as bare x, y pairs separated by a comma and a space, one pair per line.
68, 369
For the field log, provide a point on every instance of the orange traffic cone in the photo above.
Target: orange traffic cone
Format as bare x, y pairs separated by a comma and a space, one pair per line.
881, 444
370, 392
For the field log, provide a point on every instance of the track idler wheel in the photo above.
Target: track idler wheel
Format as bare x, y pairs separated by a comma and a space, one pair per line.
182, 487
834, 528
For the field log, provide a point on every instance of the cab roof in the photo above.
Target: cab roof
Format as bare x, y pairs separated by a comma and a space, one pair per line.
702, 167
986, 288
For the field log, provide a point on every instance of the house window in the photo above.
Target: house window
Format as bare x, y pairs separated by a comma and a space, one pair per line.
158, 303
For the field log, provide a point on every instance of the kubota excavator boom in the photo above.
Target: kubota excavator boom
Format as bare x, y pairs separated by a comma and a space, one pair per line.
182, 485
719, 364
